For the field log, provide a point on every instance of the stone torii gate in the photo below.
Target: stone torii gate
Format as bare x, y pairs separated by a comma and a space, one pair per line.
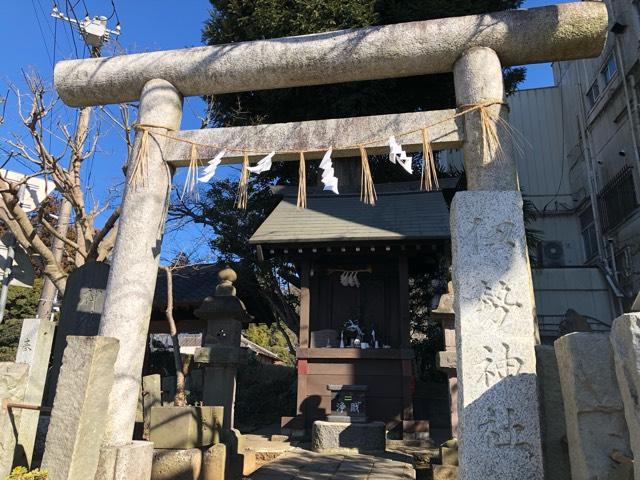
495, 317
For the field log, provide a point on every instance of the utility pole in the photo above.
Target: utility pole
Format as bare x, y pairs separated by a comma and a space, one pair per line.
95, 33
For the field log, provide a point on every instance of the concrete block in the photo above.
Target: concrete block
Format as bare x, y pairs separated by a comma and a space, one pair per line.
185, 427
177, 464
13, 382
593, 408
214, 462
132, 461
341, 437
79, 411
449, 452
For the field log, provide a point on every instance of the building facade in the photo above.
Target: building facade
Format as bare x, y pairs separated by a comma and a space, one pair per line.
598, 102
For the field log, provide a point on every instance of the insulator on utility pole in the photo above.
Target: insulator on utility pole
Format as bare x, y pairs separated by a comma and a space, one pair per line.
93, 30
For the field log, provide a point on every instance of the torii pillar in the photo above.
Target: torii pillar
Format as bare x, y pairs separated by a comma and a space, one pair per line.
499, 428
134, 267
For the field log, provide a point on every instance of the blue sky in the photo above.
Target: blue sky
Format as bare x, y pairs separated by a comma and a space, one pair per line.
31, 40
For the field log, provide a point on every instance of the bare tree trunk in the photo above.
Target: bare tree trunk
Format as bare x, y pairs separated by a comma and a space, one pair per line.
180, 400
48, 294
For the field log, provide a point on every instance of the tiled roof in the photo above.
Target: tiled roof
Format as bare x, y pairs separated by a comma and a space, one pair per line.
191, 285
397, 216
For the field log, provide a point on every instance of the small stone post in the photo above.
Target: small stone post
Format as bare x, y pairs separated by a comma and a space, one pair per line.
593, 408
625, 339
499, 427
77, 424
34, 349
13, 381
132, 278
225, 313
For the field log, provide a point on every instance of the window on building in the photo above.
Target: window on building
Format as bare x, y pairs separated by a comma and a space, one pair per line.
593, 93
588, 229
617, 199
609, 69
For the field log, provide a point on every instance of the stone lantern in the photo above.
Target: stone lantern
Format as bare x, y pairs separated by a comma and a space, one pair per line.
225, 315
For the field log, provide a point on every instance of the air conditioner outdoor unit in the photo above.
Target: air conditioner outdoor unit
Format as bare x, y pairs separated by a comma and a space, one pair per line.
551, 254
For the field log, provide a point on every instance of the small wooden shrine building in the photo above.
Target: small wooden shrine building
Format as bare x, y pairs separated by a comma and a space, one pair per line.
355, 262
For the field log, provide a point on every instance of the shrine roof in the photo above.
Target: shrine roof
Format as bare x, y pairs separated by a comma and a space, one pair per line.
399, 215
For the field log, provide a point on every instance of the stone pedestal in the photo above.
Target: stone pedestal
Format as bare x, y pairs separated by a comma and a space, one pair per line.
225, 315
185, 427
13, 382
499, 429
593, 407
341, 437
625, 339
79, 411
125, 462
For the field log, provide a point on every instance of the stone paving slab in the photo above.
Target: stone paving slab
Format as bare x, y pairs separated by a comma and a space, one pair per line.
304, 465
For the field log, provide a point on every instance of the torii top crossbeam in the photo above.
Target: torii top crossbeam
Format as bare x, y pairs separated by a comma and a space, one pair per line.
561, 32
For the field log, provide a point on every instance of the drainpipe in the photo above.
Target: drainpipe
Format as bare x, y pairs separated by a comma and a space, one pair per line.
632, 123
591, 175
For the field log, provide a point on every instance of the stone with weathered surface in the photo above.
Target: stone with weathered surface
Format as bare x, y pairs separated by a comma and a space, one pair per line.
185, 427
151, 397
341, 437
34, 349
80, 313
559, 32
593, 407
499, 429
177, 464
214, 462
125, 462
13, 382
625, 340
77, 423
554, 430
445, 472
136, 255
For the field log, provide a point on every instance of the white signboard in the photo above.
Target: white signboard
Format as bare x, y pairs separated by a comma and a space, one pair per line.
22, 274
37, 189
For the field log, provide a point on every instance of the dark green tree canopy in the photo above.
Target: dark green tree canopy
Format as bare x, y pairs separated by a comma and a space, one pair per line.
241, 20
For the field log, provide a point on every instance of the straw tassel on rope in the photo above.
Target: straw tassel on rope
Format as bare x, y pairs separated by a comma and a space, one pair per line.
302, 183
192, 174
429, 178
491, 145
243, 185
139, 176
367, 188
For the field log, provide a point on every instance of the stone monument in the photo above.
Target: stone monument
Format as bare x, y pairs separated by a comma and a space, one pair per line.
80, 313
625, 340
593, 408
13, 382
34, 349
